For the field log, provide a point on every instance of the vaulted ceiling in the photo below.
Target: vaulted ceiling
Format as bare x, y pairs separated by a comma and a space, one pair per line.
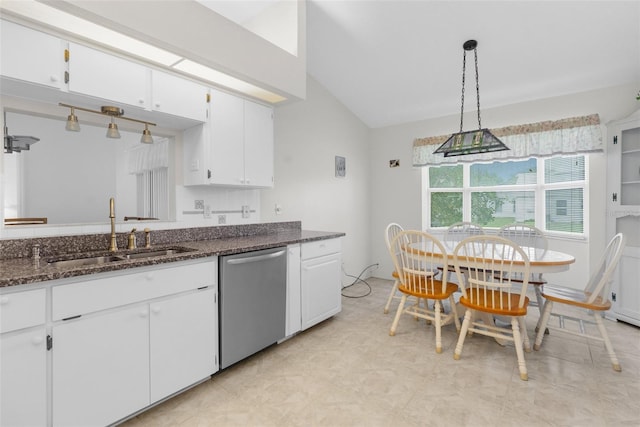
393, 62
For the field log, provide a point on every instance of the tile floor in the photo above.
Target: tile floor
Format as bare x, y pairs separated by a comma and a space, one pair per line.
348, 371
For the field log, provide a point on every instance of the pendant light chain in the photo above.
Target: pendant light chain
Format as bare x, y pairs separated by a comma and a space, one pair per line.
464, 66
475, 54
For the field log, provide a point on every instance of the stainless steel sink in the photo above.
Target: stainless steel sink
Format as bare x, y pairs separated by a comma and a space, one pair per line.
80, 262
104, 259
162, 252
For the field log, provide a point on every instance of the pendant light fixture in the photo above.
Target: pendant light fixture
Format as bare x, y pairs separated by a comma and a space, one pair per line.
112, 129
475, 141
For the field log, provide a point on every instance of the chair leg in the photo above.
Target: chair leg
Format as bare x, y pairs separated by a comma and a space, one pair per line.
454, 313
517, 341
438, 317
539, 297
542, 324
394, 325
391, 296
525, 335
607, 342
463, 333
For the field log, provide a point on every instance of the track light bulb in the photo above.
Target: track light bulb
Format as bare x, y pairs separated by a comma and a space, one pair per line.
112, 130
72, 122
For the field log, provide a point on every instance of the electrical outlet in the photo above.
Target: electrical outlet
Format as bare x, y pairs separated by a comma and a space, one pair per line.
199, 204
245, 211
207, 211
222, 219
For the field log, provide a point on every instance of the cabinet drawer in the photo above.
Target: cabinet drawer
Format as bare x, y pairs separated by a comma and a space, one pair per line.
22, 309
320, 248
117, 290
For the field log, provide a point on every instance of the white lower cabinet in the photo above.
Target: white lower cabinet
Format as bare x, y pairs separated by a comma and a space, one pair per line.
321, 284
23, 363
183, 341
23, 359
119, 342
100, 367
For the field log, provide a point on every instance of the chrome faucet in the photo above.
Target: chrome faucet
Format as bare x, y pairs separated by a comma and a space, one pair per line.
113, 245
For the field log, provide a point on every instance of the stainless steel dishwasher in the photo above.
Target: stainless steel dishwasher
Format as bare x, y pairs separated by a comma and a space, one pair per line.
252, 302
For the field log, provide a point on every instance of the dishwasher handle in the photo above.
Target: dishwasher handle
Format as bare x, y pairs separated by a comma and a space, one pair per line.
249, 259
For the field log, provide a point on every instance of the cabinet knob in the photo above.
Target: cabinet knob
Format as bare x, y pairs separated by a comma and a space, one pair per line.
157, 105
140, 101
149, 276
155, 310
143, 313
53, 78
37, 340
4, 300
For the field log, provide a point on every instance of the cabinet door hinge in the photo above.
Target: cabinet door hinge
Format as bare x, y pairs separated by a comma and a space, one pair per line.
613, 296
208, 97
614, 197
66, 55
49, 342
66, 77
209, 173
615, 139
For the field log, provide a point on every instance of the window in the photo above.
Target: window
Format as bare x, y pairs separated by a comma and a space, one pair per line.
547, 193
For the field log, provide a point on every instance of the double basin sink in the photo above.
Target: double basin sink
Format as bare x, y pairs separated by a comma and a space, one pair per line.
85, 260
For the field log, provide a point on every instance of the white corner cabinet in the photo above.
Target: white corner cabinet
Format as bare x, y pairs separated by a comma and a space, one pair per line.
234, 148
33, 57
110, 345
623, 213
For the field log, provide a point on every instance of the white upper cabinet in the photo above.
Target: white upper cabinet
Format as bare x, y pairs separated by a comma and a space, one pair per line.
31, 56
227, 139
177, 96
235, 148
258, 145
109, 77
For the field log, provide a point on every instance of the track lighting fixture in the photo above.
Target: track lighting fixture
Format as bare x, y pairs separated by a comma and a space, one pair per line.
112, 129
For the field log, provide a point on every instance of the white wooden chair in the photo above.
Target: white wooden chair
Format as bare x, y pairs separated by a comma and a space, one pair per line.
592, 301
390, 232
533, 239
459, 231
484, 266
416, 256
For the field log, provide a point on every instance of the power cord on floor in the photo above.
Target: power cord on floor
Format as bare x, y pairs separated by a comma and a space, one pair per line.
357, 280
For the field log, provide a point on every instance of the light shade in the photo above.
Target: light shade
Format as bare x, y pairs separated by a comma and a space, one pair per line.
112, 130
471, 142
146, 137
72, 122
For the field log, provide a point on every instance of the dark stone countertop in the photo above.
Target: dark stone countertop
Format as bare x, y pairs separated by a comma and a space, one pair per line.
26, 270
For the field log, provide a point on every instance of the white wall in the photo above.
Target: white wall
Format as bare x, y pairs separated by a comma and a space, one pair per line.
308, 136
396, 193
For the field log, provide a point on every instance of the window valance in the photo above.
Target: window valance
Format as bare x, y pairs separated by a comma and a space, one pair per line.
567, 136
148, 157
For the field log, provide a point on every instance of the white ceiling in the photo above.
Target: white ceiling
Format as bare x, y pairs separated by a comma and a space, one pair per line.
393, 62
